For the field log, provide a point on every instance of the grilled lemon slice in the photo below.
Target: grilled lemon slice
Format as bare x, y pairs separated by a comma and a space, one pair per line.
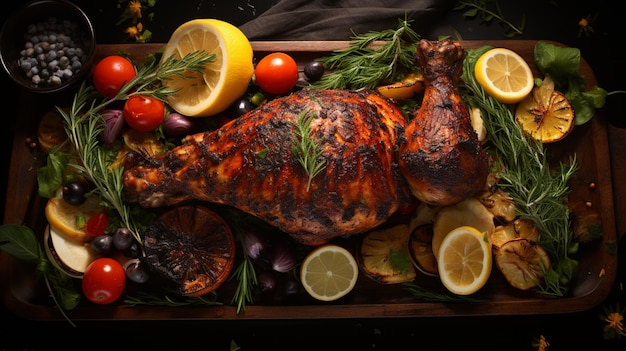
546, 114
384, 255
522, 262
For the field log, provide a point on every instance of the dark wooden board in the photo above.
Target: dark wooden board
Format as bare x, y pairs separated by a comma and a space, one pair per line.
597, 149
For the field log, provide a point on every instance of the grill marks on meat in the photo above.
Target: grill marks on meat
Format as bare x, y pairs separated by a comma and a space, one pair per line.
249, 164
442, 159
373, 159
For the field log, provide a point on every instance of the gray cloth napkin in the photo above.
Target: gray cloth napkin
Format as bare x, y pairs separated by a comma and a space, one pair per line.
341, 19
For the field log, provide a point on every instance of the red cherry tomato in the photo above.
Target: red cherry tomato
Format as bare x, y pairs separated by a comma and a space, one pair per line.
144, 113
111, 73
104, 281
276, 73
97, 224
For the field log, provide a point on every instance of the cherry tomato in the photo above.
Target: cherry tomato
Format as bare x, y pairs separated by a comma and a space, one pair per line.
104, 281
97, 224
144, 113
111, 73
276, 73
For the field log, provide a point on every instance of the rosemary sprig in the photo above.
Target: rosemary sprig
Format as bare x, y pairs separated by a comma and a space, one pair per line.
246, 276
538, 191
481, 8
421, 293
307, 150
83, 125
362, 65
151, 299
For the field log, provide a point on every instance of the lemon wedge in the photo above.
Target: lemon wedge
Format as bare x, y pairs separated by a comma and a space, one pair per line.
223, 81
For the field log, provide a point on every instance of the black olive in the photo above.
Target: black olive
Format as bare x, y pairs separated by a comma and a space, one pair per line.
102, 244
123, 239
314, 70
74, 193
136, 271
240, 107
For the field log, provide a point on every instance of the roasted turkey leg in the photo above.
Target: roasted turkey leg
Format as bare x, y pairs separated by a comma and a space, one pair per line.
442, 158
250, 164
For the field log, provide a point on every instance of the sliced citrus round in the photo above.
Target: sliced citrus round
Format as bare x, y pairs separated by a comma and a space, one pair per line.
384, 255
465, 260
329, 272
469, 212
421, 250
410, 85
504, 74
51, 133
522, 262
69, 220
191, 246
223, 81
546, 114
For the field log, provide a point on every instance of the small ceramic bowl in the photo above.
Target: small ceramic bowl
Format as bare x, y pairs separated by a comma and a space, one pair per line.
47, 46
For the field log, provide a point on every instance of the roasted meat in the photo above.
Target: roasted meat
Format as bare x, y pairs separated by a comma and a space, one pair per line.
371, 159
442, 159
251, 164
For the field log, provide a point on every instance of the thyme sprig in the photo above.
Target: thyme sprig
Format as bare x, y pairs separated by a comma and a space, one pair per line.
83, 125
482, 9
363, 65
306, 149
539, 191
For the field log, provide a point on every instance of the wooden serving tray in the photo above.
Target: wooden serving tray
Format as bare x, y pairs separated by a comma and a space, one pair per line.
28, 297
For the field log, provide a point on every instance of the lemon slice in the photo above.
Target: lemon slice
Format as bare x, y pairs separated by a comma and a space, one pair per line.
469, 212
329, 272
224, 80
465, 260
385, 256
546, 114
504, 74
66, 219
522, 262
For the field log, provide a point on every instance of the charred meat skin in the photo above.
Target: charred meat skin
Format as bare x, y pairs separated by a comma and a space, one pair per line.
442, 159
249, 164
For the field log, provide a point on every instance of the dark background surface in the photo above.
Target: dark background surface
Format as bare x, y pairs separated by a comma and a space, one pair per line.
550, 20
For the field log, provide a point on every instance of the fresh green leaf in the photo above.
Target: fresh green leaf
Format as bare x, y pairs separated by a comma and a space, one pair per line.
50, 176
19, 242
400, 260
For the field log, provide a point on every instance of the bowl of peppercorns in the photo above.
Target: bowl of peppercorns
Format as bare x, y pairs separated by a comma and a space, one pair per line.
47, 46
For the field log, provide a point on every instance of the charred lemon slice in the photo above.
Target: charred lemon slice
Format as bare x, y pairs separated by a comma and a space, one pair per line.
546, 114
410, 85
191, 246
522, 262
384, 255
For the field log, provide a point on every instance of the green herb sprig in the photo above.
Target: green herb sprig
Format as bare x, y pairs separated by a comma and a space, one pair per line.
83, 125
21, 243
362, 65
421, 293
488, 14
538, 191
173, 300
306, 149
